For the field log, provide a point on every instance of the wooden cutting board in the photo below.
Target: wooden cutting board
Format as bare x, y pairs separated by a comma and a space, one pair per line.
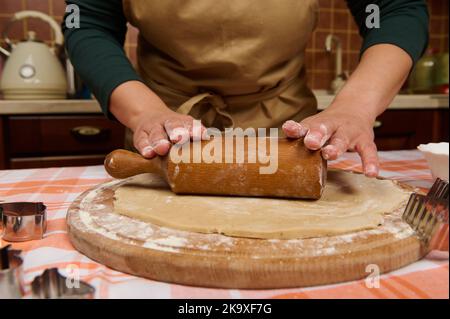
212, 260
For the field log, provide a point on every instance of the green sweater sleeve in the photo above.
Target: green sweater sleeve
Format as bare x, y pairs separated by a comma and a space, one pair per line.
96, 48
403, 23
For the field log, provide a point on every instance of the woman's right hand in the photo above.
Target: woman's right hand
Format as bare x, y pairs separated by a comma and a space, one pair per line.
154, 125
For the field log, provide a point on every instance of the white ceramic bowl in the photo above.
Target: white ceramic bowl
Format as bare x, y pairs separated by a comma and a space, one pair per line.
436, 155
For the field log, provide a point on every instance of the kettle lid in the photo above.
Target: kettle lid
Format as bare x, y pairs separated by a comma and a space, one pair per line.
31, 36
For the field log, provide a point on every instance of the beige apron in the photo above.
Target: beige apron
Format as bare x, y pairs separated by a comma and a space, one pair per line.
233, 63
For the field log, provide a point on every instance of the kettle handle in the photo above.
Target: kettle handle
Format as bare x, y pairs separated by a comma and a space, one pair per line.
59, 38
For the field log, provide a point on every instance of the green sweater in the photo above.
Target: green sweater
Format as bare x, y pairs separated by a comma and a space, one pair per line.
96, 48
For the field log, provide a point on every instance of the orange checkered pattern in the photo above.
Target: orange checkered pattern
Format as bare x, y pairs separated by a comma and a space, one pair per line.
58, 187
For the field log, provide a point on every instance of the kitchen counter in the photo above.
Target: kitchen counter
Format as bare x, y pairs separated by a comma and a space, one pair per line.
401, 102
49, 107
58, 187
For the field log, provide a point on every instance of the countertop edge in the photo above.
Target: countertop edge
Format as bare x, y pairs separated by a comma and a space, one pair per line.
24, 107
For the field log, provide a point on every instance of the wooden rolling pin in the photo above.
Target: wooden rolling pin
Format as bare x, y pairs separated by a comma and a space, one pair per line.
300, 173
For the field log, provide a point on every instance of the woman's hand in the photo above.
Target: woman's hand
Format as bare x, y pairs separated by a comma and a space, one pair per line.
154, 125
155, 132
335, 131
347, 124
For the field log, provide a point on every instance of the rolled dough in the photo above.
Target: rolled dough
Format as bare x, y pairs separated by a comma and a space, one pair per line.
350, 202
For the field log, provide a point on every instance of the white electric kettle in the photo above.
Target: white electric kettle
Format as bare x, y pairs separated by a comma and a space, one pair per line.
32, 71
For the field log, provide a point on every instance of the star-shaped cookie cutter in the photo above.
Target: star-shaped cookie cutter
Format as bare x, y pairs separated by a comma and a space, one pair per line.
52, 285
11, 274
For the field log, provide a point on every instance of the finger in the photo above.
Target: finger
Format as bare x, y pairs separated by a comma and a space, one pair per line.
294, 129
204, 133
197, 130
178, 130
367, 150
318, 134
338, 145
159, 142
142, 144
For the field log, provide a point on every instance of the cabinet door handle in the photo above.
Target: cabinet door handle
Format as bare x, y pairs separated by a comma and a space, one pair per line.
86, 131
377, 124
90, 134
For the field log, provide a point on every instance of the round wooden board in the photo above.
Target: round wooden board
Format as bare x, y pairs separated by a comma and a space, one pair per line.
213, 260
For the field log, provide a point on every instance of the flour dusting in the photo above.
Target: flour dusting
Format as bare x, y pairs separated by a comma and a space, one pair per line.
96, 218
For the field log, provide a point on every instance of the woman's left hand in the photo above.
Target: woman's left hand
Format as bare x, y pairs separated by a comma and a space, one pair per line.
335, 131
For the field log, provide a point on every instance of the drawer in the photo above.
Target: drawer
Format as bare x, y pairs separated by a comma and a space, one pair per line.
63, 135
406, 129
56, 161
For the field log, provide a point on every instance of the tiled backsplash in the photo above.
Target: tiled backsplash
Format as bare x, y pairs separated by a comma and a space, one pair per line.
334, 18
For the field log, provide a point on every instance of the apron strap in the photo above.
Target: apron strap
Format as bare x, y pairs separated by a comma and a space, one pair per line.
217, 103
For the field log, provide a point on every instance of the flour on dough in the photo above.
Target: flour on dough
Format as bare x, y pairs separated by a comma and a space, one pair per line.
350, 203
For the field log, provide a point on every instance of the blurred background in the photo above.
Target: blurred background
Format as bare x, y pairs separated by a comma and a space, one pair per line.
45, 131
334, 18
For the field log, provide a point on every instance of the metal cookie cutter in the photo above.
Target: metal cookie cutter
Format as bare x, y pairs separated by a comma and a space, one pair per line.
23, 221
52, 285
428, 215
11, 274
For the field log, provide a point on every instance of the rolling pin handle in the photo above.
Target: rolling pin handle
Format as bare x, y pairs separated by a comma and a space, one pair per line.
123, 164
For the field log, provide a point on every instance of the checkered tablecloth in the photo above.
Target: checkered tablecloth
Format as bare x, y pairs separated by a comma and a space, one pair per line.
58, 187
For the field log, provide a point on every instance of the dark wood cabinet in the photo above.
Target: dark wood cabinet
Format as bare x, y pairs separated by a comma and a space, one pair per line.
406, 129
52, 140
3, 141
57, 140
49, 135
